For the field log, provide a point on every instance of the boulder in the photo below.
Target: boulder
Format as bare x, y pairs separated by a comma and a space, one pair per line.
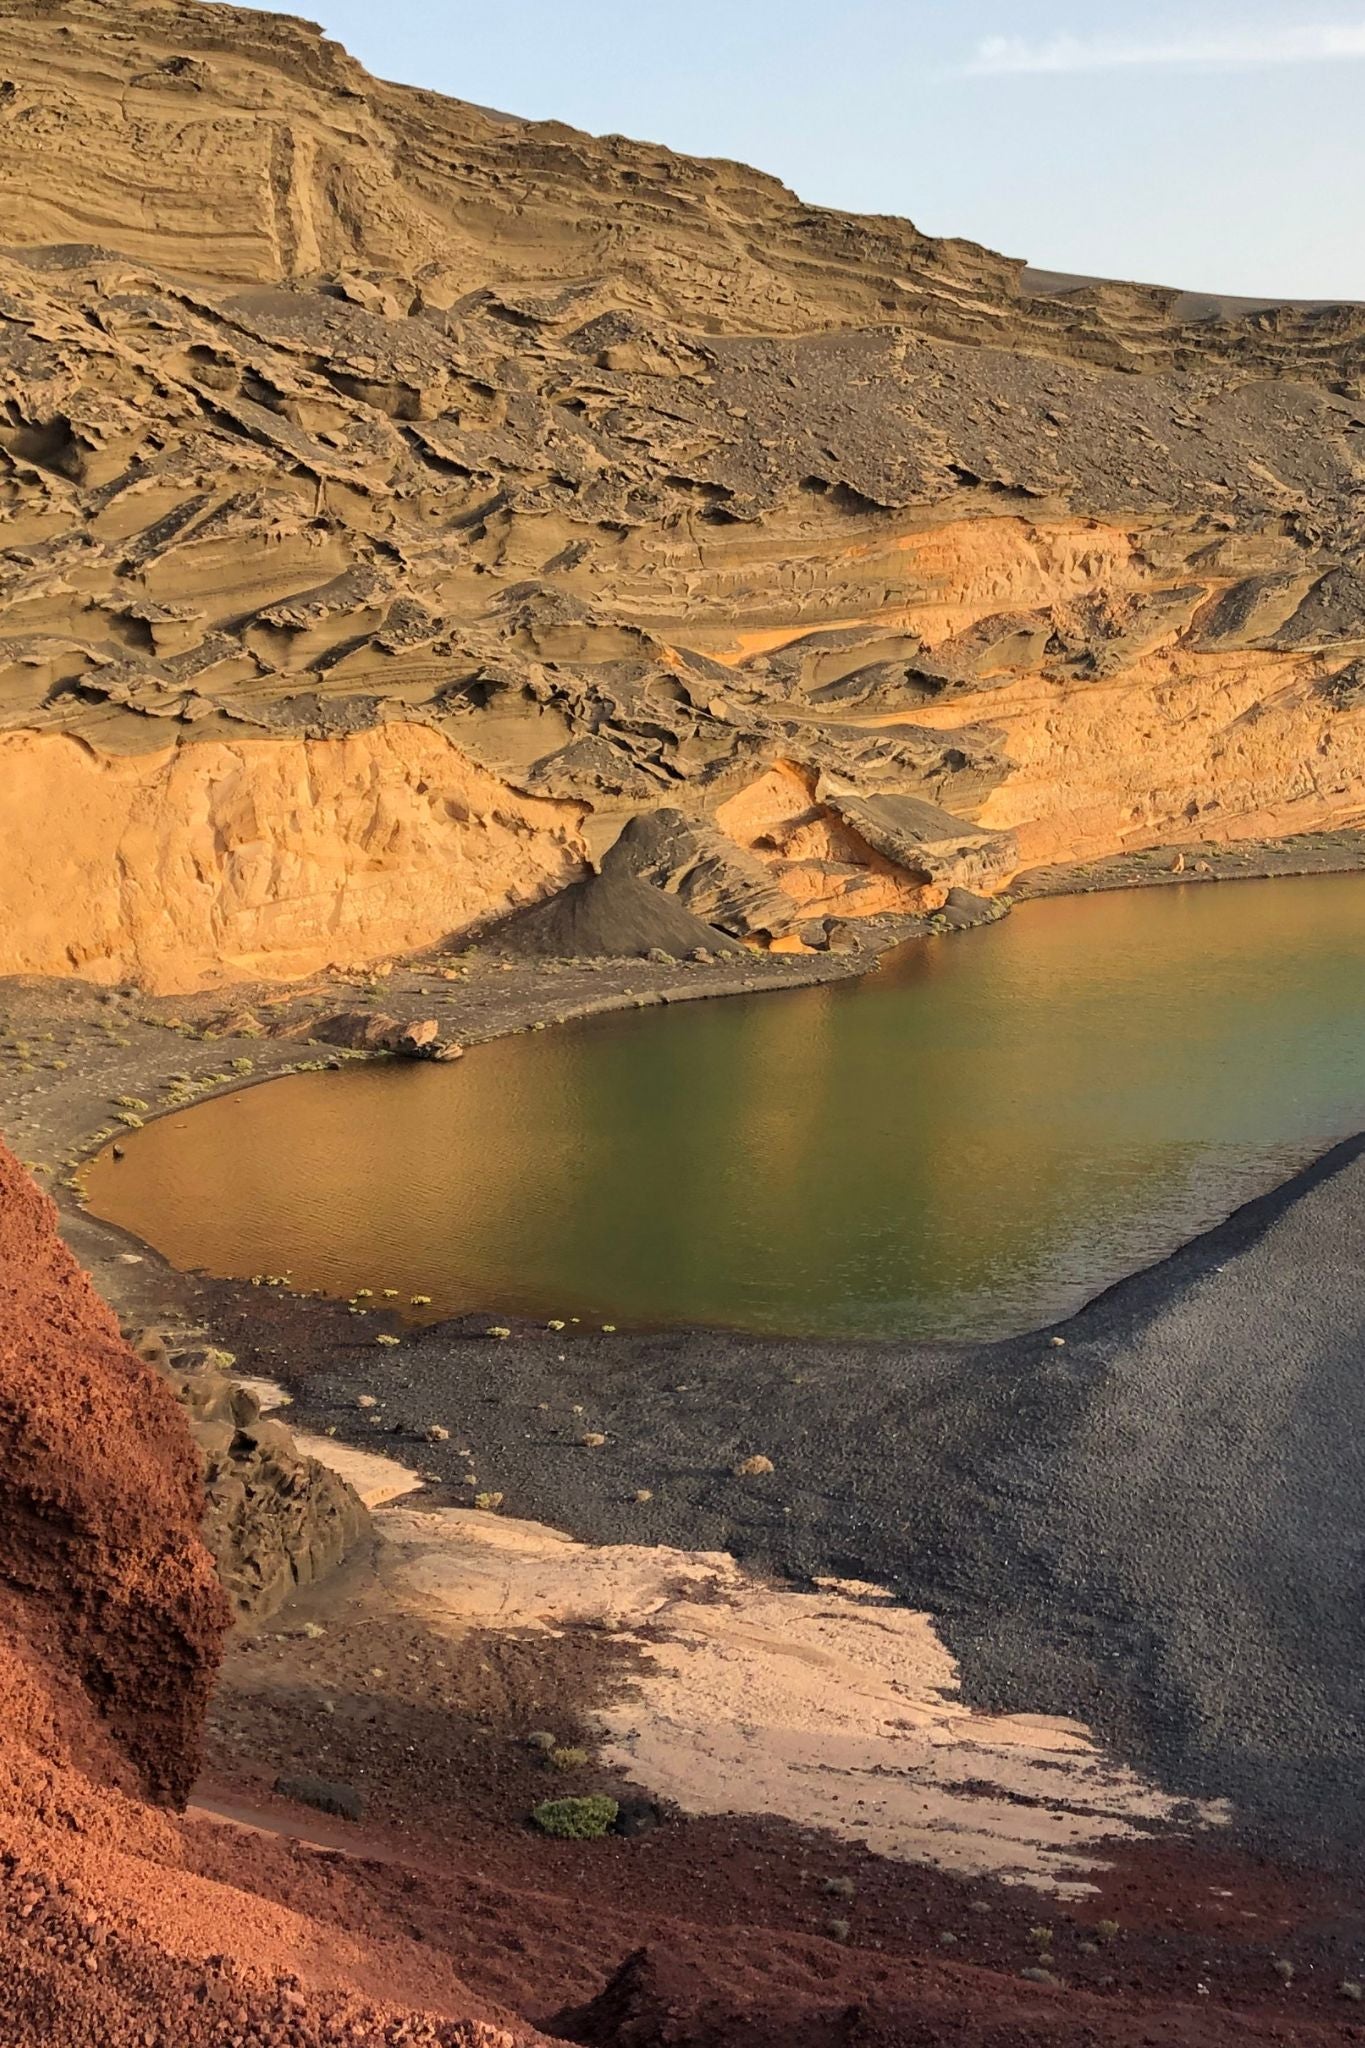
376, 1031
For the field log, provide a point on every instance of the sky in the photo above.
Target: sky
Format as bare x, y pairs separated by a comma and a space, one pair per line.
1215, 145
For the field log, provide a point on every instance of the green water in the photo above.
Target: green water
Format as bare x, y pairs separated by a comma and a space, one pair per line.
969, 1143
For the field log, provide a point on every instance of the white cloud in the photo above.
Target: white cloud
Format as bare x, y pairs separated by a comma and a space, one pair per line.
1003, 56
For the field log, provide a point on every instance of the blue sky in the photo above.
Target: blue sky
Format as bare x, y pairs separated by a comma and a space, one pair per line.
1216, 144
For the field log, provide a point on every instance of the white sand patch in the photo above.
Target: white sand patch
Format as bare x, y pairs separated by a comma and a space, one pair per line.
837, 1709
376, 1479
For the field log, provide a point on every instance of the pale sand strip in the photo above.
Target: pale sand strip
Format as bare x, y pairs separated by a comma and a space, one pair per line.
376, 1479
836, 1709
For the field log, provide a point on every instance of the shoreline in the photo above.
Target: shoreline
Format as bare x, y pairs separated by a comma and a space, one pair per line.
1315, 853
493, 999
992, 1554
1035, 1558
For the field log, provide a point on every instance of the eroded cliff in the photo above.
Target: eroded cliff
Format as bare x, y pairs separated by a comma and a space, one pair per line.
398, 497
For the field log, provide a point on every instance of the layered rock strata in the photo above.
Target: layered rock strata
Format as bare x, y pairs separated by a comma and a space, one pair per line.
397, 498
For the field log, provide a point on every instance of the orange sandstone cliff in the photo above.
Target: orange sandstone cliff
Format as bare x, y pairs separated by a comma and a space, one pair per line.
397, 498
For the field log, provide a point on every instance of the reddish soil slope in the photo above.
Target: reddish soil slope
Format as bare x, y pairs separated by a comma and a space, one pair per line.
111, 1617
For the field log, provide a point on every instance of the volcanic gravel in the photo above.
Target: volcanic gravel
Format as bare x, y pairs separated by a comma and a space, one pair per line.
1147, 1517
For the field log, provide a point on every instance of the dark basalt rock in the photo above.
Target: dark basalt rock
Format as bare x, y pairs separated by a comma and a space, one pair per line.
273, 1519
713, 878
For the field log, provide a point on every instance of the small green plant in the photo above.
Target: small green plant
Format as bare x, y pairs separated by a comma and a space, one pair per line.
129, 1119
134, 1102
577, 1820
570, 1759
244, 1065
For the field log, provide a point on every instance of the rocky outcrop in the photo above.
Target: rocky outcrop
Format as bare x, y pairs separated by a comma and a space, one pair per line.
274, 1519
398, 498
376, 1031
717, 882
926, 842
111, 1617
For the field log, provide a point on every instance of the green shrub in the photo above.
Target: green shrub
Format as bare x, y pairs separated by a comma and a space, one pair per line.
577, 1820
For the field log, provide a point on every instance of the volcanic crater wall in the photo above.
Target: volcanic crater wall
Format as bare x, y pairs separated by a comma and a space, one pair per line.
397, 498
111, 1615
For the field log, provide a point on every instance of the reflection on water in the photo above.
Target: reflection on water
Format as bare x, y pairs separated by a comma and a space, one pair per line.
967, 1144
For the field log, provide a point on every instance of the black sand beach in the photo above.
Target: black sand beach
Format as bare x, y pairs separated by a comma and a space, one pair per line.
1152, 1524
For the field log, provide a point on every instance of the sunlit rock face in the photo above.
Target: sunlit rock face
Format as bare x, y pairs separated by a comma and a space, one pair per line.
398, 498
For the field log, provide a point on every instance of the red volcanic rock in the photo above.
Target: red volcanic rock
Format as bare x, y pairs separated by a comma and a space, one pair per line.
108, 1597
